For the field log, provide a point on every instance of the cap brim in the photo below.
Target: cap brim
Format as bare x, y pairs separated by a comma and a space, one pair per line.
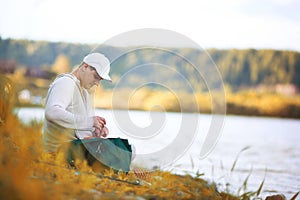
107, 79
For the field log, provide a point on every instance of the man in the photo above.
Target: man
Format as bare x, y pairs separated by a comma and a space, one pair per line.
68, 110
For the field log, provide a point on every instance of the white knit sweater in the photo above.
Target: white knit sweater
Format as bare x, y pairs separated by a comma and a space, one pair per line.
68, 112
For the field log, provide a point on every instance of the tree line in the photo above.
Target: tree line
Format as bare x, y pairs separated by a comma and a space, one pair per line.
238, 68
251, 67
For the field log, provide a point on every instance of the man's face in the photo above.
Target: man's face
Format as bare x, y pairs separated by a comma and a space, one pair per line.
90, 77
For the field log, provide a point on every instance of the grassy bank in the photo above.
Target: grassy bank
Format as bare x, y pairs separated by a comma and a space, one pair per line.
249, 102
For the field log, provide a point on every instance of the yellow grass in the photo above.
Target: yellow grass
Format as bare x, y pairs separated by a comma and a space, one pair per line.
264, 104
241, 103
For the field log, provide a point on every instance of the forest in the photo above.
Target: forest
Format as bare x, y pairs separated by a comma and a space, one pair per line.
245, 67
251, 78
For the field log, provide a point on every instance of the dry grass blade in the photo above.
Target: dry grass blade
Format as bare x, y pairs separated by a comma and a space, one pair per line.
295, 196
237, 157
246, 180
261, 185
245, 148
260, 188
244, 187
199, 174
192, 162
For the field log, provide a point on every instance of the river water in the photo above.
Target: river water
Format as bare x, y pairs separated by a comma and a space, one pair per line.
262, 148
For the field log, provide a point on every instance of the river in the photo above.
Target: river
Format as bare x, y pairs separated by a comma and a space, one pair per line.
271, 150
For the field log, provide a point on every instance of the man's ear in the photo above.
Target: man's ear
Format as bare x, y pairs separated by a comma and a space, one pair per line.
84, 66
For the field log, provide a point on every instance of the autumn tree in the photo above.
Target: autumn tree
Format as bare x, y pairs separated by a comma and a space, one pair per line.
61, 64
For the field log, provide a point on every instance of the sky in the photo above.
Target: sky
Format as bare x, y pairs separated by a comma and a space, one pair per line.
220, 24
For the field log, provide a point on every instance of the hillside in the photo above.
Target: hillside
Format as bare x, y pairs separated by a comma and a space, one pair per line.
238, 68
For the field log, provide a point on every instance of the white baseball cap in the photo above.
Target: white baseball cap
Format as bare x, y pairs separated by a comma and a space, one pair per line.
100, 63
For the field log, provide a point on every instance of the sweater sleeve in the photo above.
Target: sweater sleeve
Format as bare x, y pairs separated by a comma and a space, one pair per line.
60, 98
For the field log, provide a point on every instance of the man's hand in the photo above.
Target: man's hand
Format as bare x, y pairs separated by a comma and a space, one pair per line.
100, 129
99, 122
103, 132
